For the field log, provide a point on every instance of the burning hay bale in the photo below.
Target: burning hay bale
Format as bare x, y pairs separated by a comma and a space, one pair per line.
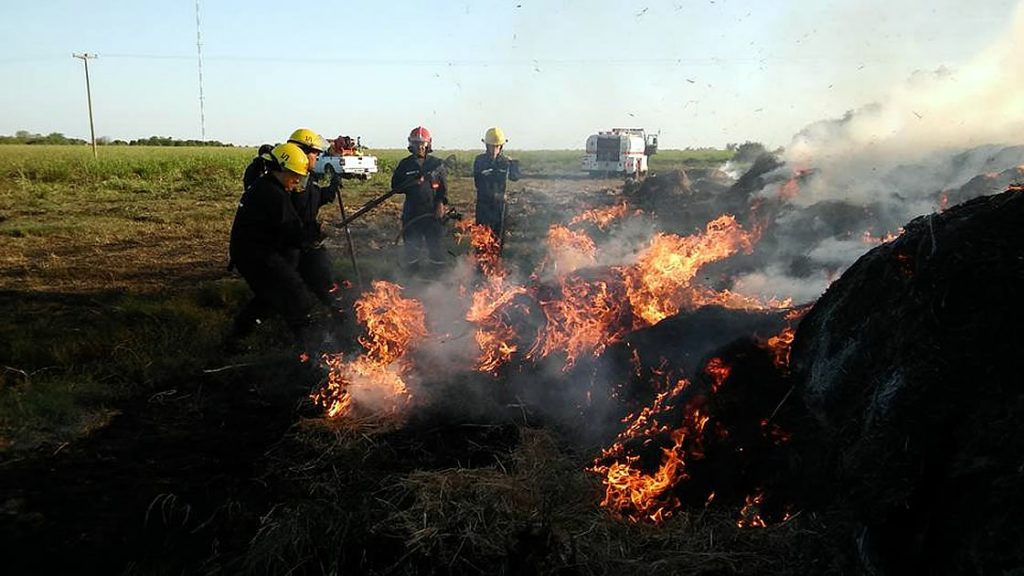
910, 364
715, 436
982, 184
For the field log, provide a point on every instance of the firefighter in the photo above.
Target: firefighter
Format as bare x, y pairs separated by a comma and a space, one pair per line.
491, 171
423, 180
314, 264
266, 237
259, 166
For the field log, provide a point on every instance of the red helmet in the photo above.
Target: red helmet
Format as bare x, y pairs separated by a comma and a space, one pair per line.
420, 134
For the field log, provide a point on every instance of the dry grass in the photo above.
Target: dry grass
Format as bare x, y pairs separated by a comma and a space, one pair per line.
533, 511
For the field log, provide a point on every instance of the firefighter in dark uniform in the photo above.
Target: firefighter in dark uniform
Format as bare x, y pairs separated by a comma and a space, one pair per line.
491, 171
314, 264
423, 180
259, 166
266, 237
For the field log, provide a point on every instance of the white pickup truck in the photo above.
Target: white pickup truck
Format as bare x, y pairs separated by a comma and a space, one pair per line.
345, 158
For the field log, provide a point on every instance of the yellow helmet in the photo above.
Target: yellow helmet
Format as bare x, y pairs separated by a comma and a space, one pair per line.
291, 158
308, 139
495, 137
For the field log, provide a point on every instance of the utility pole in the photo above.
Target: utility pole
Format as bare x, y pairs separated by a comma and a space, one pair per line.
199, 52
84, 57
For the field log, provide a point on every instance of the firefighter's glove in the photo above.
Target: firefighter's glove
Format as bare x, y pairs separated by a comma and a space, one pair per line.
452, 214
335, 183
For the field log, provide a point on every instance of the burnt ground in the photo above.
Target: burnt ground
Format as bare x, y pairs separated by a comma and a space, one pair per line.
180, 480
170, 474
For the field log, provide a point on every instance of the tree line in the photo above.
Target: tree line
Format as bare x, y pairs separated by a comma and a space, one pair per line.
26, 137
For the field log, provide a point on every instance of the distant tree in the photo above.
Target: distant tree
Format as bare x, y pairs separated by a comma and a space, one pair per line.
26, 137
749, 151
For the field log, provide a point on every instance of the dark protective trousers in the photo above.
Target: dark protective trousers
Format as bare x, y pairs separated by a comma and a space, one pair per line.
419, 234
278, 288
489, 212
315, 270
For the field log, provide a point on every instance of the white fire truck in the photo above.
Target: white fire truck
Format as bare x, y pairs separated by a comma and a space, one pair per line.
621, 151
345, 157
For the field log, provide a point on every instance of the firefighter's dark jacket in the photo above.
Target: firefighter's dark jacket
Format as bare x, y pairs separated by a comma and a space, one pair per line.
265, 222
491, 174
256, 169
425, 186
307, 206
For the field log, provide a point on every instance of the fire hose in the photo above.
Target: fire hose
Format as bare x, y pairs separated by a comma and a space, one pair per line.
367, 207
348, 219
451, 214
380, 199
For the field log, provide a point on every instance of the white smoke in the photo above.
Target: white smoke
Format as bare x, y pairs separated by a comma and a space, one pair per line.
887, 162
932, 116
774, 283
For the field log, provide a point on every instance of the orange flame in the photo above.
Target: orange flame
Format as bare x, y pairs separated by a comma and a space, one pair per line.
602, 217
584, 320
494, 336
485, 245
780, 346
632, 491
569, 250
719, 371
791, 188
869, 238
392, 322
375, 378
659, 284
379, 387
750, 515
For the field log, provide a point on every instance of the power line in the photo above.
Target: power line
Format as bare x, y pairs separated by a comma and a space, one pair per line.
710, 60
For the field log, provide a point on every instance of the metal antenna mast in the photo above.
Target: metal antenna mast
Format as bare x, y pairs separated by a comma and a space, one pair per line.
199, 52
84, 57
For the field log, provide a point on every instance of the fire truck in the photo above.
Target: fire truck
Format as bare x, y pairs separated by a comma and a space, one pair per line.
620, 151
345, 157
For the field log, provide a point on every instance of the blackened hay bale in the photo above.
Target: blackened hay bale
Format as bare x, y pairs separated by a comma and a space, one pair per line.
911, 364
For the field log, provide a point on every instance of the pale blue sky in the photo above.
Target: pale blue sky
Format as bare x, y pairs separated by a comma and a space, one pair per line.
704, 73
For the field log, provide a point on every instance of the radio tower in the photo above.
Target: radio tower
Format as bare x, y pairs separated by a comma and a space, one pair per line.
199, 52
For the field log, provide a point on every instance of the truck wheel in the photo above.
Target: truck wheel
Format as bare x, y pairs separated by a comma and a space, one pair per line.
329, 171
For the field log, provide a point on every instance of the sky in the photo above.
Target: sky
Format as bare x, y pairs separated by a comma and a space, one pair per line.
704, 74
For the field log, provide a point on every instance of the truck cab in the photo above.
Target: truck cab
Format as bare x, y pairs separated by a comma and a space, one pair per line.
620, 151
345, 157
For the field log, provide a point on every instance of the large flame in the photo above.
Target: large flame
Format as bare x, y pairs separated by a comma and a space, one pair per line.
494, 334
660, 283
583, 318
602, 217
485, 245
569, 250
637, 492
375, 379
